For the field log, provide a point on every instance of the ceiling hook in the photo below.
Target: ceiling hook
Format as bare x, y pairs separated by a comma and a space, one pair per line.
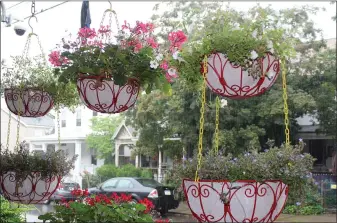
110, 5
29, 23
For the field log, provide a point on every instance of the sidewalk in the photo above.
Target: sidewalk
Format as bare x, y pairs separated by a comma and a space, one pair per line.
184, 211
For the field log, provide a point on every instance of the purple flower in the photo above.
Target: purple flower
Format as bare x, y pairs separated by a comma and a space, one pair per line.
235, 159
298, 203
266, 150
300, 140
247, 154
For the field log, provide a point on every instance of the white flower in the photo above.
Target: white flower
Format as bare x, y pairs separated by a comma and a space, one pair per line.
175, 55
223, 103
159, 57
254, 34
172, 72
154, 64
270, 44
253, 55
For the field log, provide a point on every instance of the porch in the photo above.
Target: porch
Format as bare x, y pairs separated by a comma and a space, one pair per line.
87, 158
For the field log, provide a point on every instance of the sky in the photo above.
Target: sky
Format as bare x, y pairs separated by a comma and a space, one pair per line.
52, 24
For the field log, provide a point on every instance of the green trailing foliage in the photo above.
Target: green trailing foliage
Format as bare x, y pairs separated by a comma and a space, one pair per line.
24, 163
34, 73
277, 163
12, 212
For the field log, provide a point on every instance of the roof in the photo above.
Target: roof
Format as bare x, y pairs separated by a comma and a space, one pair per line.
129, 129
44, 121
40, 121
309, 128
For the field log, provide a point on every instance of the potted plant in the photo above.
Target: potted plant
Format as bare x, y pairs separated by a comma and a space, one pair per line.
252, 187
30, 88
242, 55
102, 208
32, 177
109, 74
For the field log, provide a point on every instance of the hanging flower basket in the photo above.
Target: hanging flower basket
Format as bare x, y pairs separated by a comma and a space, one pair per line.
134, 53
103, 95
32, 190
242, 56
28, 102
241, 201
229, 80
32, 177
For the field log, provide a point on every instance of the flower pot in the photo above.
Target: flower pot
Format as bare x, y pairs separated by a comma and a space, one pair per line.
30, 102
102, 95
247, 201
229, 80
33, 189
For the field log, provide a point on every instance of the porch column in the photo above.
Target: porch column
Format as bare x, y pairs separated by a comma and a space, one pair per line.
116, 154
159, 166
140, 160
77, 169
44, 147
137, 161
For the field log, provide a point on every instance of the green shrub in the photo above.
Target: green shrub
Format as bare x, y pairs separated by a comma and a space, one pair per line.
330, 200
11, 212
311, 210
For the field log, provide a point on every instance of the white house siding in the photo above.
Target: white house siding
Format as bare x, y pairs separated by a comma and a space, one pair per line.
24, 130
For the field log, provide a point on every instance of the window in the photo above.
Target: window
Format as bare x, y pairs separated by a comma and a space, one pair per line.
94, 113
50, 148
78, 118
121, 150
63, 123
124, 184
110, 184
93, 159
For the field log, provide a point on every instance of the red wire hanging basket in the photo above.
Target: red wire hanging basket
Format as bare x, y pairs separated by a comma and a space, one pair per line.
241, 201
33, 189
29, 102
102, 95
231, 81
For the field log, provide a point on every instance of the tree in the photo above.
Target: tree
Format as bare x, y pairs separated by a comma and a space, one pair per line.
318, 76
103, 129
243, 124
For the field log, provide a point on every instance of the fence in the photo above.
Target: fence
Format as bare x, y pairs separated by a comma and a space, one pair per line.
326, 183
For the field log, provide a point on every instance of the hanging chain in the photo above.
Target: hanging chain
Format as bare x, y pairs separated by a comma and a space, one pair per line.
33, 8
58, 127
111, 12
201, 122
9, 129
217, 111
285, 103
19, 115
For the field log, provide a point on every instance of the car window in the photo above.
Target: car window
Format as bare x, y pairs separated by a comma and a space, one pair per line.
110, 184
149, 183
124, 184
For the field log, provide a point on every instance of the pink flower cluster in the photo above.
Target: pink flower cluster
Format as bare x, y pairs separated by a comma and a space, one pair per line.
140, 36
56, 59
177, 39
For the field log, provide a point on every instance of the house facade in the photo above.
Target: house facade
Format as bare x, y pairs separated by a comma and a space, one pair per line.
125, 139
28, 127
74, 127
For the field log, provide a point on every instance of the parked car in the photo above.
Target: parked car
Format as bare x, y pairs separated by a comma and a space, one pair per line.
161, 196
64, 192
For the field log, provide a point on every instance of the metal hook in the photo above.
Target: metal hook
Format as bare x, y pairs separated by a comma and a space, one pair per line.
110, 5
29, 22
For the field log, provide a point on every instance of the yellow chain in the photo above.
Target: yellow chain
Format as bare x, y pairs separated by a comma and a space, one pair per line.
19, 115
217, 111
9, 129
201, 122
285, 103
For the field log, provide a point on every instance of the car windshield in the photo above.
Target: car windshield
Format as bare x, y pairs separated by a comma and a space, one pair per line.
149, 182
